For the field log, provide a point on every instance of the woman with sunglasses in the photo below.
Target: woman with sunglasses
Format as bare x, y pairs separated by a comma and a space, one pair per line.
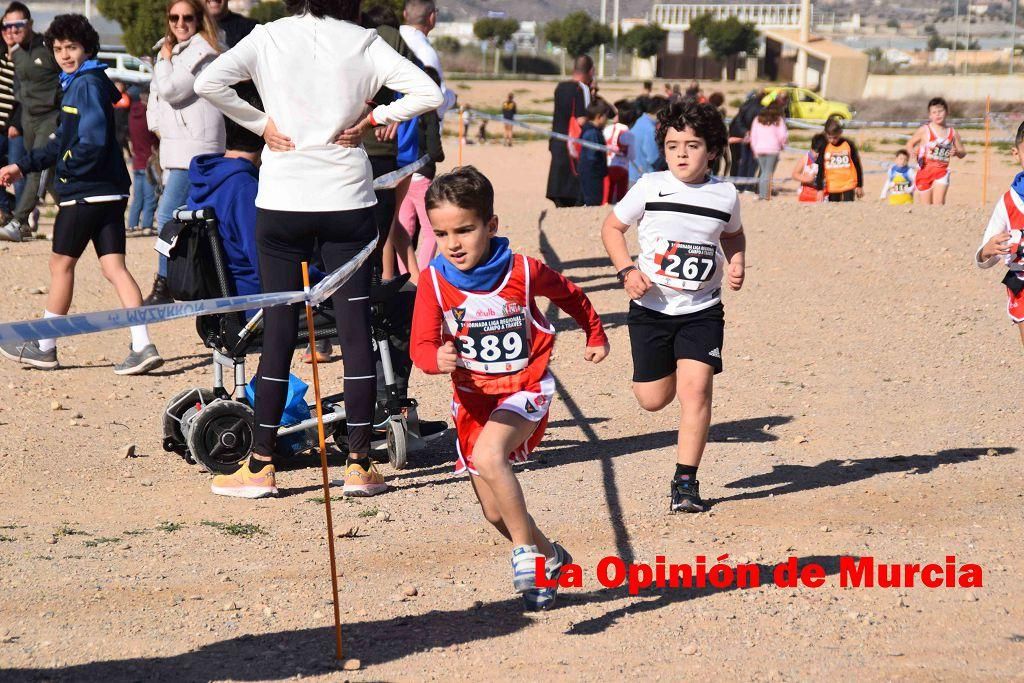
316, 72
187, 124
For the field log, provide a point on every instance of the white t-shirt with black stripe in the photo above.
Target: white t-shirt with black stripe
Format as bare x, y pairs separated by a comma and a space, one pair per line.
680, 228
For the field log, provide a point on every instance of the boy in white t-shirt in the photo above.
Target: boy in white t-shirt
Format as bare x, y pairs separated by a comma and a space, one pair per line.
691, 238
1003, 240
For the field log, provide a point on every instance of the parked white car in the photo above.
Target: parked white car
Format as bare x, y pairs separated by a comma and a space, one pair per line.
125, 68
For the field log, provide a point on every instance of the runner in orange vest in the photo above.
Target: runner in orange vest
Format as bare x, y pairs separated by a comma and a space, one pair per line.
839, 172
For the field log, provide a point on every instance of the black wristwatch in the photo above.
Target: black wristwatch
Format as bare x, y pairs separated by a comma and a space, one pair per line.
624, 272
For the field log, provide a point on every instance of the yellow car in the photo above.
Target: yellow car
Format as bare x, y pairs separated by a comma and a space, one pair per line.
805, 104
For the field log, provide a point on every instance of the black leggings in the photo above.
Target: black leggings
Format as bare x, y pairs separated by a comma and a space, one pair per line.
284, 240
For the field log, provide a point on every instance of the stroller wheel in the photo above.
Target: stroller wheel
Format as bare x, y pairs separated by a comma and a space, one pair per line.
174, 439
221, 435
398, 444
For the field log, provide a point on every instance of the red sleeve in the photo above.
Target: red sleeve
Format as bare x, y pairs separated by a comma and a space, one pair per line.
568, 297
425, 338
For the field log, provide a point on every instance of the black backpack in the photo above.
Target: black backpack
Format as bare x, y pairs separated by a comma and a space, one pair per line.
191, 274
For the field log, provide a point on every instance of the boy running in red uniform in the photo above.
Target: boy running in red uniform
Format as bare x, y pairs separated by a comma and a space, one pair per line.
691, 241
1003, 239
934, 144
477, 319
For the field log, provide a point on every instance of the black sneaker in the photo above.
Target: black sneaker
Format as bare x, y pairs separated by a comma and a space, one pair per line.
686, 496
160, 293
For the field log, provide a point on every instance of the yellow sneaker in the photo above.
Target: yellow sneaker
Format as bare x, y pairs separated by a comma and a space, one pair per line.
245, 484
360, 482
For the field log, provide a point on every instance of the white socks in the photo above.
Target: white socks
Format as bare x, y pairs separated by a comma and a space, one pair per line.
48, 344
140, 337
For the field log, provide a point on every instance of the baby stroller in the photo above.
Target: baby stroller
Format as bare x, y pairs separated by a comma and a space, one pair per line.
214, 426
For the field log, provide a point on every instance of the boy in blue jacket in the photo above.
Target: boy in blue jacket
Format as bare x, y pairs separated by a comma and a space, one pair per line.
92, 183
593, 163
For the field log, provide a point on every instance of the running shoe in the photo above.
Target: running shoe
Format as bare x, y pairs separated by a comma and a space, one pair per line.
686, 496
11, 231
246, 484
323, 352
524, 567
361, 482
29, 353
139, 362
538, 599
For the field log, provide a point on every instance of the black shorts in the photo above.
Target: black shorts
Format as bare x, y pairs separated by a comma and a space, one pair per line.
659, 340
848, 196
78, 224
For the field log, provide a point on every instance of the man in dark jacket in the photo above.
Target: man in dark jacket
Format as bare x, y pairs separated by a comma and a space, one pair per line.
39, 94
571, 101
744, 163
234, 25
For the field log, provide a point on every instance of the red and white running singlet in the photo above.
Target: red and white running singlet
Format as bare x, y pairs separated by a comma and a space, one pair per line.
503, 346
1013, 260
936, 150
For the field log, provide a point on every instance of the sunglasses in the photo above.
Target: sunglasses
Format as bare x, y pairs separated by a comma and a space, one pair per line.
15, 25
185, 18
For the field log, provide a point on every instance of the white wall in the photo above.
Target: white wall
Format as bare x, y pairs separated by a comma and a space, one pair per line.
973, 87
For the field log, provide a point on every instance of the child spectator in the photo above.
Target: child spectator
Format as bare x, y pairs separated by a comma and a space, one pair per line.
143, 142
1003, 242
508, 112
690, 232
477, 319
768, 137
592, 166
618, 137
806, 171
899, 182
92, 184
839, 173
413, 220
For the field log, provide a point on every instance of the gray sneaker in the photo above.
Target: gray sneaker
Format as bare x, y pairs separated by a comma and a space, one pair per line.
29, 353
139, 362
11, 232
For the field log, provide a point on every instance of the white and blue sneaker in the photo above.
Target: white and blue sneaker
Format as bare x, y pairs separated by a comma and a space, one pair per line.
524, 567
539, 599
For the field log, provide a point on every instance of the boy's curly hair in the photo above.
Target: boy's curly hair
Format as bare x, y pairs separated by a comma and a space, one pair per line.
704, 119
76, 28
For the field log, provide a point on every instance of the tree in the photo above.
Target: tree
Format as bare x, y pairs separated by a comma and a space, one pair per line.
577, 33
498, 31
268, 11
646, 40
397, 5
893, 23
699, 26
142, 22
448, 44
730, 37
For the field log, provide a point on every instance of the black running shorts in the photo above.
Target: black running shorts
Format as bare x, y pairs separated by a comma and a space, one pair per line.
101, 223
658, 340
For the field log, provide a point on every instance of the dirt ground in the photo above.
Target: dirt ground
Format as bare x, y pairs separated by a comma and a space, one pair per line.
866, 408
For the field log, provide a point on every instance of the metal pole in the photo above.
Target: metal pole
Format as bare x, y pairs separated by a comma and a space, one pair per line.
1013, 36
967, 45
615, 36
956, 30
984, 177
600, 52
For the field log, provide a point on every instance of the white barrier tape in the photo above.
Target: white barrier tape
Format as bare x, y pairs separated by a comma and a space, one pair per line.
100, 321
390, 180
330, 284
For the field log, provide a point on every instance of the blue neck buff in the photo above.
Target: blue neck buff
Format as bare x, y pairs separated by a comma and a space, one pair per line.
1018, 184
902, 170
483, 277
87, 65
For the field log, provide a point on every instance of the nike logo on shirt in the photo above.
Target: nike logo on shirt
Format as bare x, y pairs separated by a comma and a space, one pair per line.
665, 194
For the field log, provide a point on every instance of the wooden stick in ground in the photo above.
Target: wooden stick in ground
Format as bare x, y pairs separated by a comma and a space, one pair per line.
462, 134
984, 179
323, 464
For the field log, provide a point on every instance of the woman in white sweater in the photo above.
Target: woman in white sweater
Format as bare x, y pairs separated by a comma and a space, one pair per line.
187, 124
315, 72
